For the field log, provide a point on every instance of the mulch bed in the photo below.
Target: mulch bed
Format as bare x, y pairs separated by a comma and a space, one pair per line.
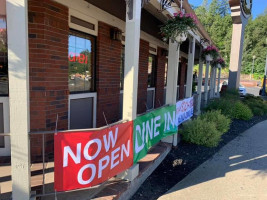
184, 159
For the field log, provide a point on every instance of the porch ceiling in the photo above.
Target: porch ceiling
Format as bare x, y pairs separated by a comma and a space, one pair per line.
151, 19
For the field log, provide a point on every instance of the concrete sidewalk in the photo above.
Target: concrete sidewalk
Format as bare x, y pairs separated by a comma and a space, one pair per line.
238, 171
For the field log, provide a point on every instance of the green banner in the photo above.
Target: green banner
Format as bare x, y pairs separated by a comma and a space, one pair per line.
150, 128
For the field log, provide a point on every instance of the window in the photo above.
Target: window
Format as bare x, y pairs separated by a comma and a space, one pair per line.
81, 62
3, 56
122, 67
151, 70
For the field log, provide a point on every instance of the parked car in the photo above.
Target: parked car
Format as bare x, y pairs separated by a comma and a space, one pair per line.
242, 90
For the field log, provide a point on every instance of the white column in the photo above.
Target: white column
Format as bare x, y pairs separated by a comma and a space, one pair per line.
206, 82
214, 84
132, 43
219, 80
18, 64
191, 61
199, 87
172, 73
211, 82
172, 77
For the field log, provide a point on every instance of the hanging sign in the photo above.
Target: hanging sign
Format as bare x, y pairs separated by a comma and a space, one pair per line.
184, 110
150, 128
87, 158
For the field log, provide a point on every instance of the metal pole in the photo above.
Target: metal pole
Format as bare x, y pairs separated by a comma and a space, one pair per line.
252, 66
43, 155
264, 80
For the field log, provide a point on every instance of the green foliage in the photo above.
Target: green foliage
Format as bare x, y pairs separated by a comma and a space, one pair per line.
255, 44
258, 76
241, 111
224, 105
231, 94
257, 105
201, 132
217, 21
230, 105
222, 122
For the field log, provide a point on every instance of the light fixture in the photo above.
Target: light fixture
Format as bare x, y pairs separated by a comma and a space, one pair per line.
115, 34
204, 42
164, 52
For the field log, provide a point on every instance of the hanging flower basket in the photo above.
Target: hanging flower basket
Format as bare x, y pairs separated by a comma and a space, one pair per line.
208, 57
210, 53
176, 28
219, 63
181, 38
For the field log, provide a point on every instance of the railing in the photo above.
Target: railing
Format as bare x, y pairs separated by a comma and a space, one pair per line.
45, 190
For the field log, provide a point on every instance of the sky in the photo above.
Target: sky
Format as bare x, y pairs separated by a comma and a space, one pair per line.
258, 6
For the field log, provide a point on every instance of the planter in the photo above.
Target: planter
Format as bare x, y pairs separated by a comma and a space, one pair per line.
208, 57
181, 38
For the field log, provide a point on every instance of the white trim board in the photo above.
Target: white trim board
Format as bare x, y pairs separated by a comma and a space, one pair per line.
7, 149
95, 13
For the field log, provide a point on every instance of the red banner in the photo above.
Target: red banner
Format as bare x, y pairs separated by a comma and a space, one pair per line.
87, 158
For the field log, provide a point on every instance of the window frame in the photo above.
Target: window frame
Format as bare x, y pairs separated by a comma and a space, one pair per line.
122, 67
4, 17
153, 72
93, 40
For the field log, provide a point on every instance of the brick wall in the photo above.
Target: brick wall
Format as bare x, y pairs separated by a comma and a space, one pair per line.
107, 76
142, 76
48, 64
160, 73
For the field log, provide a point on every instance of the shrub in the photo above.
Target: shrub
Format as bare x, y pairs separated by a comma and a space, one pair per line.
242, 111
232, 108
201, 132
257, 105
231, 94
224, 105
222, 122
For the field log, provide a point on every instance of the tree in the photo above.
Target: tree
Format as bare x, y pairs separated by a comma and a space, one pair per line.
217, 20
255, 44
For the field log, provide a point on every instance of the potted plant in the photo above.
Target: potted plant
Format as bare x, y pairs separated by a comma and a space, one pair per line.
210, 53
176, 28
220, 63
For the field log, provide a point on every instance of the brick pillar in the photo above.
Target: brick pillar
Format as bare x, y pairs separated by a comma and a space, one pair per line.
48, 68
107, 76
160, 72
142, 76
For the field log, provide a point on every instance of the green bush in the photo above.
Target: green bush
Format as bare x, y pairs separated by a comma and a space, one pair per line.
224, 105
257, 105
201, 132
241, 111
231, 94
232, 108
222, 122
